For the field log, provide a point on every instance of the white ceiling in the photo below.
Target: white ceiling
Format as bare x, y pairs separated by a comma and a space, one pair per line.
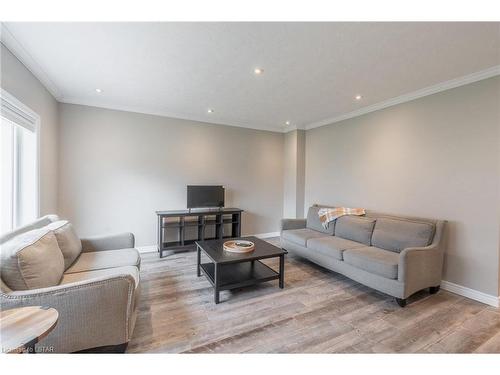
312, 71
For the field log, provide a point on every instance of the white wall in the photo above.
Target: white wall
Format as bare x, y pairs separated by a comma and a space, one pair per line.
21, 83
435, 157
117, 168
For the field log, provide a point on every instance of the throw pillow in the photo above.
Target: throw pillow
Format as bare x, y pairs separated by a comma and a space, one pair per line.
68, 241
31, 260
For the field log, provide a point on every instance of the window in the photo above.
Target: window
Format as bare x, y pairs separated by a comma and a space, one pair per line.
18, 163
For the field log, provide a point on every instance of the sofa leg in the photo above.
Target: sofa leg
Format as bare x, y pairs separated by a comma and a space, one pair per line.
401, 302
434, 289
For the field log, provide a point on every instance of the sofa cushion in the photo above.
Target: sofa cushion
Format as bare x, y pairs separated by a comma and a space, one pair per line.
69, 278
374, 260
98, 260
68, 241
31, 260
355, 228
332, 246
301, 236
398, 234
314, 223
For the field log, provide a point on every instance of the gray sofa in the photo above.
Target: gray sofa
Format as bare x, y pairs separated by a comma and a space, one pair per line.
395, 255
96, 297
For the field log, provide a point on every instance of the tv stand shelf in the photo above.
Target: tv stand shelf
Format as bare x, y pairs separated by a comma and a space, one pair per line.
200, 219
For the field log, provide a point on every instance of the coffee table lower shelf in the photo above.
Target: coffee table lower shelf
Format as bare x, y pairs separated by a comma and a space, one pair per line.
239, 275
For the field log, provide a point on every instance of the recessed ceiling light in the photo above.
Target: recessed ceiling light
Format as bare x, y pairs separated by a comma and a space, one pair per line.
287, 122
98, 91
358, 97
210, 110
258, 71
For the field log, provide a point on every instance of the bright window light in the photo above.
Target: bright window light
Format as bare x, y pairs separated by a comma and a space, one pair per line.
18, 167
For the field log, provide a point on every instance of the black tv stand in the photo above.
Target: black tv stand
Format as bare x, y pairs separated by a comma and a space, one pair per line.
179, 220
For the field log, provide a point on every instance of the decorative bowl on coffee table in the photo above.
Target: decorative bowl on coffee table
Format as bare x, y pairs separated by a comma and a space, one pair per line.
239, 246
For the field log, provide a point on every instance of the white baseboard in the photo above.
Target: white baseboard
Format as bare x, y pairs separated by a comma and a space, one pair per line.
471, 293
267, 235
154, 249
147, 249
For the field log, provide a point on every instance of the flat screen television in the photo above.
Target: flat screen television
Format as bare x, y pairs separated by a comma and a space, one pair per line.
199, 196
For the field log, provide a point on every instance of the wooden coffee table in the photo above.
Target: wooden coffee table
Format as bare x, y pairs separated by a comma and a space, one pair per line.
235, 270
21, 328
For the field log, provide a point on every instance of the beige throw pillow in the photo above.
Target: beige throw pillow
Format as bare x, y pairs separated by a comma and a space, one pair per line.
68, 241
31, 260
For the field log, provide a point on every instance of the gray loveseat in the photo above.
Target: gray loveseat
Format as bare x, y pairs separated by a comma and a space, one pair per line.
393, 254
96, 297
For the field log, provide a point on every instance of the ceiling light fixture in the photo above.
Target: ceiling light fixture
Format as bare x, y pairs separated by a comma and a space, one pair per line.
258, 71
98, 91
358, 97
287, 122
210, 110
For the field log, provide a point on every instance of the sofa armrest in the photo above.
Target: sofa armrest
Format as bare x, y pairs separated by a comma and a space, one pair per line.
92, 313
420, 267
287, 224
109, 242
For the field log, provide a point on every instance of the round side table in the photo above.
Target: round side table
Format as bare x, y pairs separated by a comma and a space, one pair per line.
21, 328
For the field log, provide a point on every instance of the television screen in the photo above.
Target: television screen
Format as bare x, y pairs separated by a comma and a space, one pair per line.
205, 196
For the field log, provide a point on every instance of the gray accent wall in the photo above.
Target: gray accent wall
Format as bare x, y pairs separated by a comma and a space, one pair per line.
435, 157
18, 81
117, 168
294, 173
301, 172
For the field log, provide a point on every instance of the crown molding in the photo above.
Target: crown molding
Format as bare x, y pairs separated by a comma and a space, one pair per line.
443, 86
148, 111
14, 46
292, 127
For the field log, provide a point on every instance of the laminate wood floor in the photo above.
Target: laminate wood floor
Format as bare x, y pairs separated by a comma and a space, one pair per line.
318, 312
